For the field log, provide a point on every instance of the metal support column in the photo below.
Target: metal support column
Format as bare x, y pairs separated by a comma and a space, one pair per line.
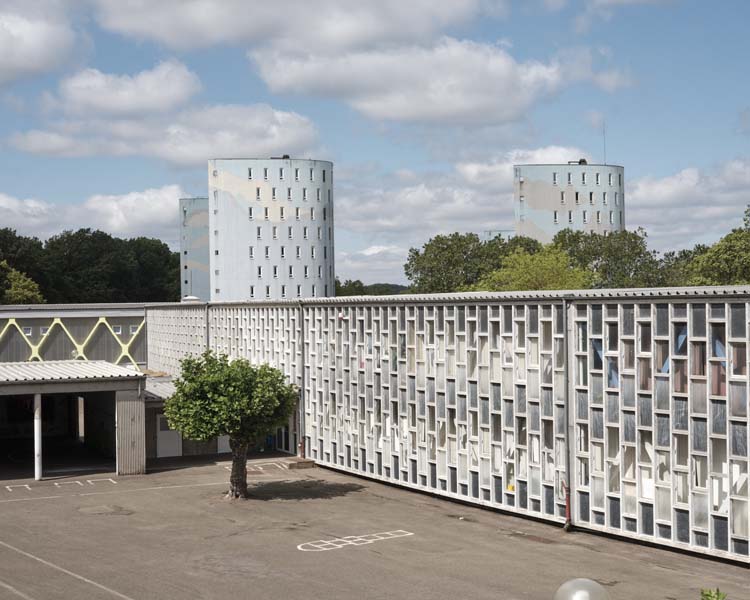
38, 437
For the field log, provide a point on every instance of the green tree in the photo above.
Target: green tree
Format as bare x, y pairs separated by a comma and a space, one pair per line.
677, 266
618, 260
90, 266
448, 263
727, 262
17, 288
215, 396
548, 269
24, 254
157, 275
717, 594
350, 287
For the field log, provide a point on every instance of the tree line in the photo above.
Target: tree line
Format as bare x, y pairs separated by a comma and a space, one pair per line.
574, 260
86, 266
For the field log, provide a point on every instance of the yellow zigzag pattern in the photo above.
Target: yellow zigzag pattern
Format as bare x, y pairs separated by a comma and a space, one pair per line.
80, 348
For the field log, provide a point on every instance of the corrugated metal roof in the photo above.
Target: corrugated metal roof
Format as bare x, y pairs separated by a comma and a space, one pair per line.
725, 291
64, 370
159, 388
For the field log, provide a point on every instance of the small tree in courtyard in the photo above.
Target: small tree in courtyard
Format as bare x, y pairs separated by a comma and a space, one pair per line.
215, 396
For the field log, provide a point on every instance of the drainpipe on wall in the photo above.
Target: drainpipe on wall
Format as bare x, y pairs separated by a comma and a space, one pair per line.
301, 411
570, 442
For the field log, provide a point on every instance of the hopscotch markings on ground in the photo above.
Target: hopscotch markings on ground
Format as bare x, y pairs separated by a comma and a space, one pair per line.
11, 487
61, 483
259, 467
95, 481
352, 540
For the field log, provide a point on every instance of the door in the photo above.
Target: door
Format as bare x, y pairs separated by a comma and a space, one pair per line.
168, 441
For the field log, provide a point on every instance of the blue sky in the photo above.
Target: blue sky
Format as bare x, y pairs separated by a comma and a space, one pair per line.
109, 110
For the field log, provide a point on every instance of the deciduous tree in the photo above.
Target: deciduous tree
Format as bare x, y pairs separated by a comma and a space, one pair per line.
548, 269
215, 396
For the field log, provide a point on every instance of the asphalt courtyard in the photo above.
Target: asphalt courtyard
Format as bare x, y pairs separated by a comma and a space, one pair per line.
307, 534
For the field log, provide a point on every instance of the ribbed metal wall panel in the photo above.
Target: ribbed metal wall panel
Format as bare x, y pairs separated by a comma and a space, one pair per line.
131, 432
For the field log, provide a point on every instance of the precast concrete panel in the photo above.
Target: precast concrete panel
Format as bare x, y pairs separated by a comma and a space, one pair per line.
634, 400
173, 333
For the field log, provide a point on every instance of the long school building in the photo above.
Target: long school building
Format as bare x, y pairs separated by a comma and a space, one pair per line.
628, 406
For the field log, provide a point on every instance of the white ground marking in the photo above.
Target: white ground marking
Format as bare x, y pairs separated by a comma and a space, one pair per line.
17, 592
61, 483
258, 467
95, 481
66, 571
10, 487
125, 491
351, 540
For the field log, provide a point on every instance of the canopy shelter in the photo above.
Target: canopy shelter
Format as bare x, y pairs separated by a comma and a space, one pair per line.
98, 402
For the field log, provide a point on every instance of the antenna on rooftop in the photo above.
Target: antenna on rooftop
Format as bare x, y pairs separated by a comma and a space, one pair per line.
604, 138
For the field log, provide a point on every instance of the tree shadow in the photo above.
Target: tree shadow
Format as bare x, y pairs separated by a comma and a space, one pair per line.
308, 489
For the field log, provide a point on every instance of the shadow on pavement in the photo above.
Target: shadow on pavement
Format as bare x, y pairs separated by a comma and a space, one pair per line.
309, 489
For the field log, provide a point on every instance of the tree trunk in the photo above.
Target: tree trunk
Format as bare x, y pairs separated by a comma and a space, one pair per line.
238, 478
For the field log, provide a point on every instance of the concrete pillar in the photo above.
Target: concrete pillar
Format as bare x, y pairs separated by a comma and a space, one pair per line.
37, 436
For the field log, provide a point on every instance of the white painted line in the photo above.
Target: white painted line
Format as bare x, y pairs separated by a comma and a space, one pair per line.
94, 481
10, 487
30, 499
60, 483
126, 491
15, 591
66, 571
351, 540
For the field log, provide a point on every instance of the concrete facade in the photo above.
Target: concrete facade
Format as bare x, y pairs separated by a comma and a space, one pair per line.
270, 229
194, 250
577, 196
630, 405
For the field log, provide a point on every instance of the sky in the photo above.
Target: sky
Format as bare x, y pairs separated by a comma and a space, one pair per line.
109, 110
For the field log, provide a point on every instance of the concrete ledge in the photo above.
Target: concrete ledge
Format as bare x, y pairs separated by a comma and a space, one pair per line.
301, 463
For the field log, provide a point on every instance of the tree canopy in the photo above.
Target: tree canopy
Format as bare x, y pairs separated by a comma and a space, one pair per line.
448, 263
618, 260
548, 269
16, 288
215, 396
93, 266
354, 287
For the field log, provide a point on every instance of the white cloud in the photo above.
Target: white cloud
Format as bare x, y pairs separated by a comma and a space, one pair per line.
323, 26
152, 213
691, 206
35, 37
497, 175
406, 212
451, 81
165, 87
186, 138
374, 264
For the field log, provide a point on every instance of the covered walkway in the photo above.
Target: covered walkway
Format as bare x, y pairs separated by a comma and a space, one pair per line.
88, 411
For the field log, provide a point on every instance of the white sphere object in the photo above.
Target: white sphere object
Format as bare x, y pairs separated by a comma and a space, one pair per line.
581, 589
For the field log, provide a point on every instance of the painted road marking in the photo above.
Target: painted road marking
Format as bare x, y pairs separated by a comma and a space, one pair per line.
124, 491
66, 571
95, 481
10, 487
61, 483
258, 467
16, 591
351, 540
